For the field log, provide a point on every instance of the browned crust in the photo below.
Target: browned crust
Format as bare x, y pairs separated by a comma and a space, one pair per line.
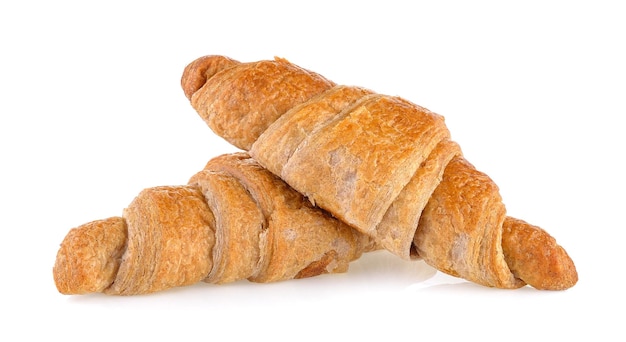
298, 234
170, 241
364, 159
239, 229
243, 116
281, 140
460, 230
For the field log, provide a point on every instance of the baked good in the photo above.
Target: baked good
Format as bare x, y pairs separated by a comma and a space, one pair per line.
234, 220
381, 164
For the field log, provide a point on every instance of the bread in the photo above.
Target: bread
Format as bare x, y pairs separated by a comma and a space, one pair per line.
381, 164
234, 220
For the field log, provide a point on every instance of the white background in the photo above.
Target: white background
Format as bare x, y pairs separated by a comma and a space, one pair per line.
91, 112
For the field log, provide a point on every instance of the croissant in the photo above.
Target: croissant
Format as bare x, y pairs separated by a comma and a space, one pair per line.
381, 164
234, 220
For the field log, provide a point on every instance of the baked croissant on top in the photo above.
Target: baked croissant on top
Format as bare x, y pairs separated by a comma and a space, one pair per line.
381, 164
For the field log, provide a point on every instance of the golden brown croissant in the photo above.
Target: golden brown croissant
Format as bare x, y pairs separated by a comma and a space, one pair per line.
234, 220
379, 163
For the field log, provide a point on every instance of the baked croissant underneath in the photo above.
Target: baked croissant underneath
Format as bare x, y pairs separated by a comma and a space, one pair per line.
234, 220
379, 163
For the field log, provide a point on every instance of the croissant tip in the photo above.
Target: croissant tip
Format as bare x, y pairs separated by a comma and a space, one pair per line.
565, 276
89, 256
196, 73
